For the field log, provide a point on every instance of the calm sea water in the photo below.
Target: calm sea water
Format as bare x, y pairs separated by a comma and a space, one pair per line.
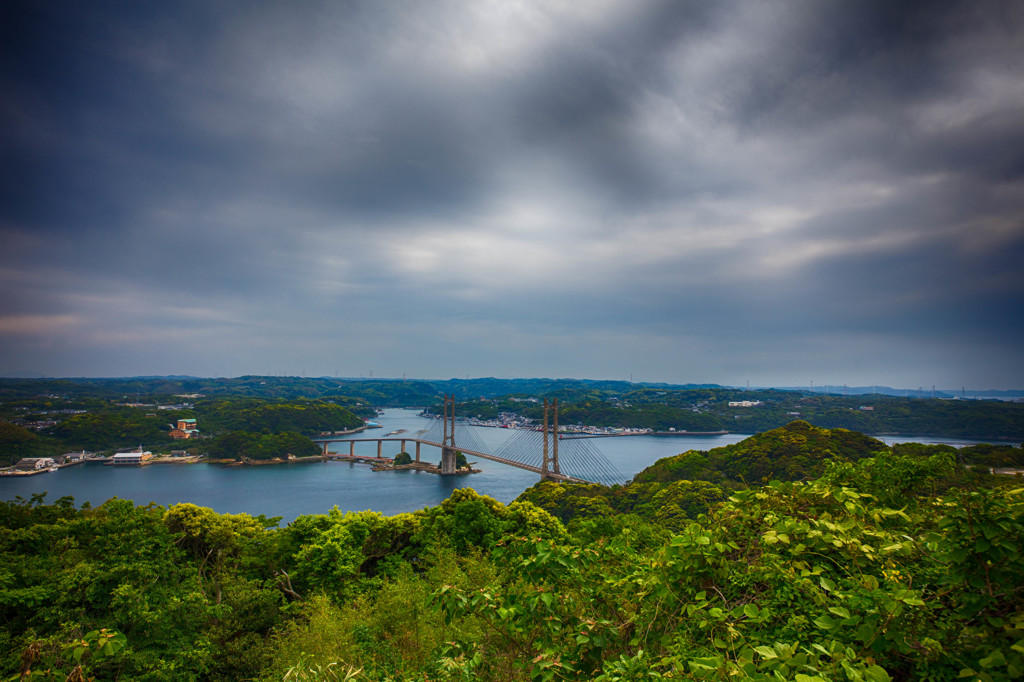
291, 490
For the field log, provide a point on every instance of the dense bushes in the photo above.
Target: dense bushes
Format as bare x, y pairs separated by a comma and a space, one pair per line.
675, 489
895, 566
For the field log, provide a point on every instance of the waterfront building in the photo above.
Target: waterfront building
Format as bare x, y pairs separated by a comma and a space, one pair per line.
71, 457
34, 463
133, 457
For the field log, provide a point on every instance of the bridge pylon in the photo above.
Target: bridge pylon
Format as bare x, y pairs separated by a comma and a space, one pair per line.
550, 470
448, 452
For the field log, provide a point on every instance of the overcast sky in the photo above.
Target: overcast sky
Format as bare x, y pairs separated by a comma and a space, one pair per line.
780, 192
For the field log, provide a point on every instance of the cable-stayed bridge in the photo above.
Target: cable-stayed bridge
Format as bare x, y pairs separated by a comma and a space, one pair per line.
541, 451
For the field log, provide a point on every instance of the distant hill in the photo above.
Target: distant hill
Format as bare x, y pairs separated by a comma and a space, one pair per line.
793, 452
17, 442
490, 387
946, 394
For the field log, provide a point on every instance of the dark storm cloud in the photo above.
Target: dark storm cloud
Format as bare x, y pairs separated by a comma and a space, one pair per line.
736, 190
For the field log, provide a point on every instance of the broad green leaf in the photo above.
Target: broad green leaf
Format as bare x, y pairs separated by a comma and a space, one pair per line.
825, 623
877, 674
996, 658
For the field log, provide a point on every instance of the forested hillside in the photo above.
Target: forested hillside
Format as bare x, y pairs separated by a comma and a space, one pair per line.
252, 414
889, 565
738, 411
232, 428
659, 407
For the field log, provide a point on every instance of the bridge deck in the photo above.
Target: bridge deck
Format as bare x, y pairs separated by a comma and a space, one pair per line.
465, 451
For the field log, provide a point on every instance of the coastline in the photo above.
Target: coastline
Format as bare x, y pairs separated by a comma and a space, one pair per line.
358, 429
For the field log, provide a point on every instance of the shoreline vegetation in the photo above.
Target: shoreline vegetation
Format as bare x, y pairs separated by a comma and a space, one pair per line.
797, 553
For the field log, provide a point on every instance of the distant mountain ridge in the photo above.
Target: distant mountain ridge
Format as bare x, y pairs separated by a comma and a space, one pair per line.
947, 394
483, 387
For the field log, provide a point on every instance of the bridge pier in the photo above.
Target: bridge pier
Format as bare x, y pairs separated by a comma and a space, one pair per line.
418, 451
447, 462
380, 444
351, 448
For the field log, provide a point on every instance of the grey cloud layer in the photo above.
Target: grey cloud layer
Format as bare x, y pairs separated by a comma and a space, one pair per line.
680, 190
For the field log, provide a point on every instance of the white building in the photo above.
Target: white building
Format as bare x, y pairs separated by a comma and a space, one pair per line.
133, 457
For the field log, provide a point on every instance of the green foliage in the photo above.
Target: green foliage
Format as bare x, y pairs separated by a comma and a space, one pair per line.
116, 428
115, 565
793, 579
653, 416
46, 660
403, 458
900, 565
308, 672
214, 540
467, 520
691, 465
793, 452
266, 416
173, 582
994, 455
17, 443
668, 505
673, 504
244, 445
896, 480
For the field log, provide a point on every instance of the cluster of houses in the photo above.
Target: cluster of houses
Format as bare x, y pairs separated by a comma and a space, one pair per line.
185, 429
